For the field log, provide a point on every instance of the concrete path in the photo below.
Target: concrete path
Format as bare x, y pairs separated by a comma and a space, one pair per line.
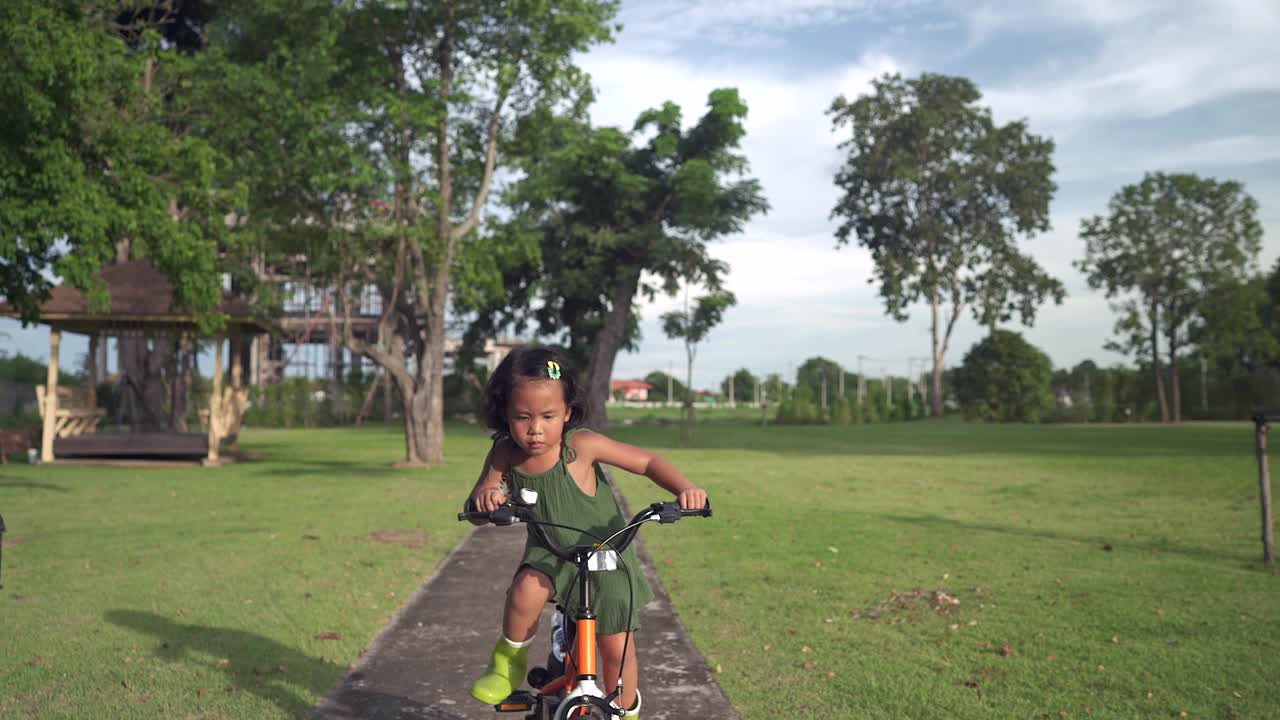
422, 663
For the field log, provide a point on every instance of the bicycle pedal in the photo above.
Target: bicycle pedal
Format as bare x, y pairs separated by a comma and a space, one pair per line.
518, 701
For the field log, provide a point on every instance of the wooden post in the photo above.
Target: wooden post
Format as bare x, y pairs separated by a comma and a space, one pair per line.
1264, 488
237, 366
91, 371
50, 397
215, 402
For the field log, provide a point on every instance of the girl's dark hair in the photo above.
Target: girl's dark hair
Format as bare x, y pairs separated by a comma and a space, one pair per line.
531, 363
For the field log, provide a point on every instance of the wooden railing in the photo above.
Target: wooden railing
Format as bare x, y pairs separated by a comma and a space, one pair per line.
77, 413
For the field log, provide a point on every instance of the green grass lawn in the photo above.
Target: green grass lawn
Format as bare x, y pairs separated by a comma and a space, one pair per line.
1109, 572
1100, 571
174, 593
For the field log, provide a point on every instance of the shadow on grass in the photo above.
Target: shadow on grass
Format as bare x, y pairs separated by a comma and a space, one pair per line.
296, 466
16, 483
279, 674
1097, 541
925, 438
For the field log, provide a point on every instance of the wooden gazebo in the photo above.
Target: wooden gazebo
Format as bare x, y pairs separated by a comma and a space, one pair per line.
142, 302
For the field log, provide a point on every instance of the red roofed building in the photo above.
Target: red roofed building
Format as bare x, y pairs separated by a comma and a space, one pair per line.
631, 389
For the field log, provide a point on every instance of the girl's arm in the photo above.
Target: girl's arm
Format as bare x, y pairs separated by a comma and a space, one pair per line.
489, 492
599, 448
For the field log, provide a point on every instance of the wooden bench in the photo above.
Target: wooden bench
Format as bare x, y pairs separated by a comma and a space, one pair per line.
77, 413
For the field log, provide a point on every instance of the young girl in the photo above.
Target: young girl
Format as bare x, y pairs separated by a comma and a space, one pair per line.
534, 403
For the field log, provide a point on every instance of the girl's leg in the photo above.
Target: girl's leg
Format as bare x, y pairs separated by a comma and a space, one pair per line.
611, 659
529, 593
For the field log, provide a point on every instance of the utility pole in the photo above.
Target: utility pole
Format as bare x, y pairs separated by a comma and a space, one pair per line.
670, 389
888, 387
862, 380
1204, 384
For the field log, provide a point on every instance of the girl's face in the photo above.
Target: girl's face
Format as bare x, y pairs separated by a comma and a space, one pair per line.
536, 415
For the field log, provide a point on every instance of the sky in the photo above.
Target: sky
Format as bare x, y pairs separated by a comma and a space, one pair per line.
1122, 88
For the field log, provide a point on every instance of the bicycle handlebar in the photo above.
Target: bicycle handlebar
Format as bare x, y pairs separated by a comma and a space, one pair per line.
516, 510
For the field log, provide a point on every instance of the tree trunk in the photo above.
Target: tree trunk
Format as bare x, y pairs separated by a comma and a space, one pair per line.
1155, 363
936, 404
689, 409
1174, 382
606, 346
418, 431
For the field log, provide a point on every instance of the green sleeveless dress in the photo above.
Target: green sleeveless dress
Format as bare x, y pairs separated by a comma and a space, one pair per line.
560, 500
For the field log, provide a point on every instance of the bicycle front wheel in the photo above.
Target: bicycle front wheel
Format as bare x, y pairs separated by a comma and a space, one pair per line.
584, 708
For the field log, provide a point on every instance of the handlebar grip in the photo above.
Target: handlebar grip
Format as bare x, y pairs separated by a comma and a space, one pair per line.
472, 516
704, 512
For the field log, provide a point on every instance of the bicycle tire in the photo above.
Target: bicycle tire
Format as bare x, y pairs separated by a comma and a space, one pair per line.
583, 708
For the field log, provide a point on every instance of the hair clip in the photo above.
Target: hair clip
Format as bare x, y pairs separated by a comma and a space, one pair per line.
553, 369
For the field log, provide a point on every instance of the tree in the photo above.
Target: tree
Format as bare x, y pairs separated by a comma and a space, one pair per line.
1004, 378
101, 144
659, 381
822, 376
743, 385
1238, 323
939, 193
1166, 244
437, 90
692, 324
611, 207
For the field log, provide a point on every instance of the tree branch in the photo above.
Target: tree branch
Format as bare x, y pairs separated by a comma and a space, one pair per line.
490, 161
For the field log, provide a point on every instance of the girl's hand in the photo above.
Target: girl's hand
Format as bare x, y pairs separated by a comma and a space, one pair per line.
489, 499
695, 498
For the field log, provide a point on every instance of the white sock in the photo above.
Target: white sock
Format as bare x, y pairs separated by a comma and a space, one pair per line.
514, 644
635, 711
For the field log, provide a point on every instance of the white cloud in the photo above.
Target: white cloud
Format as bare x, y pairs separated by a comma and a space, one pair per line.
1151, 59
659, 25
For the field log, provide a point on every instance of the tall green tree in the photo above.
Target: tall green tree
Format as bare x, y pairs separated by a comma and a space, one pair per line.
1004, 378
103, 145
692, 324
1165, 246
939, 193
611, 206
1239, 324
437, 90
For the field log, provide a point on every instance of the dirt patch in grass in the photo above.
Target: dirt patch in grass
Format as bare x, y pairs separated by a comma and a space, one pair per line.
404, 538
10, 541
915, 602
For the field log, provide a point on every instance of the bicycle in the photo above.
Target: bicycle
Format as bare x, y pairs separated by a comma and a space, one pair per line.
567, 688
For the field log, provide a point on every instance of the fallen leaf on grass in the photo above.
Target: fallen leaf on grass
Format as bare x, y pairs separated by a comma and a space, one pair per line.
808, 666
1006, 650
329, 636
224, 662
34, 661
806, 649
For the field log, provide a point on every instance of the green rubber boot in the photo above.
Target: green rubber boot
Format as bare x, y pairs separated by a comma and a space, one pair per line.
504, 675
